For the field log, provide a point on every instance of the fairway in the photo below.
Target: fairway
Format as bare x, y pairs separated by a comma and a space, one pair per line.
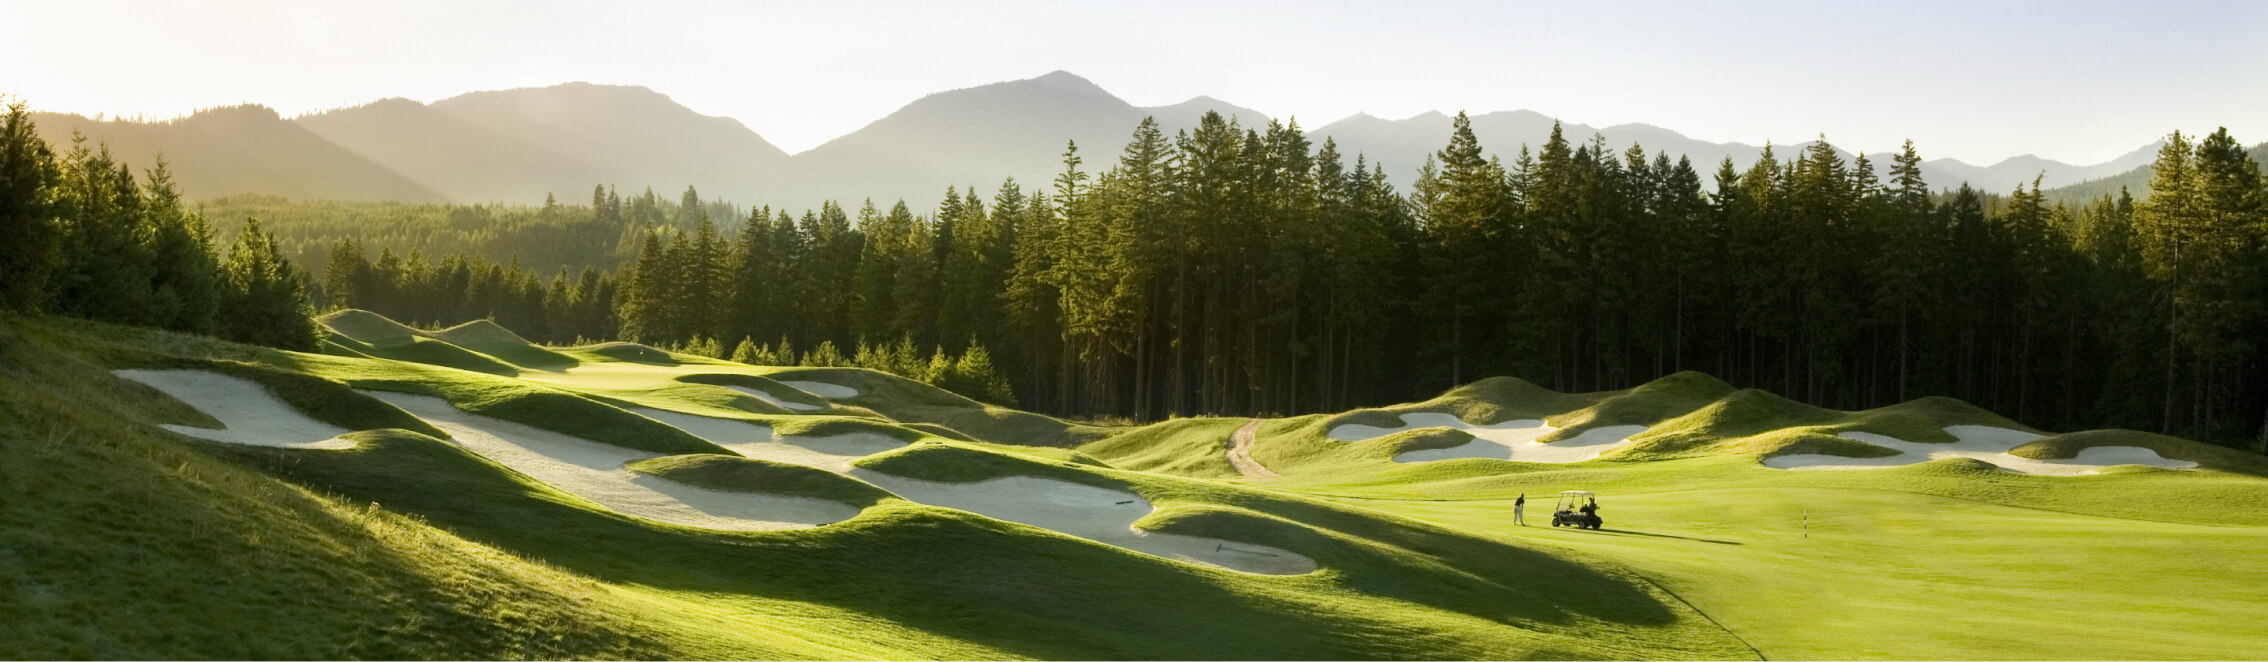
1867, 573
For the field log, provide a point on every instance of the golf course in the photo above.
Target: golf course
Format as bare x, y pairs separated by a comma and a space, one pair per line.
462, 492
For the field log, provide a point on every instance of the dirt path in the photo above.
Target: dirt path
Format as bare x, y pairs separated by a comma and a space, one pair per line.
1240, 451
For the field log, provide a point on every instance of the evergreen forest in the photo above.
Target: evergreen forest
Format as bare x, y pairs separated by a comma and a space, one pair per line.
1233, 270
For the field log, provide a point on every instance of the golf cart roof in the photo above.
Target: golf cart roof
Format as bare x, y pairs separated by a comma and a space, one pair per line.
1576, 493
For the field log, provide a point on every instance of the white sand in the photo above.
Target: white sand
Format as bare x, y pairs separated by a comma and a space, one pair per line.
251, 415
767, 397
823, 389
1101, 515
595, 471
756, 440
1979, 442
1510, 440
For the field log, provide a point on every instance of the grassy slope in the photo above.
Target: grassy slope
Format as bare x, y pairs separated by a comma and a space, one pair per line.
870, 587
740, 474
1947, 559
119, 541
1938, 560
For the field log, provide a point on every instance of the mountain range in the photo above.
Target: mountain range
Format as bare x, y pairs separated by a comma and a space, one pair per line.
520, 145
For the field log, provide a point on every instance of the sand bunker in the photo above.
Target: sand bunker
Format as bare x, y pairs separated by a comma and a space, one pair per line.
1509, 440
595, 471
1979, 442
823, 389
1101, 515
251, 414
767, 397
755, 440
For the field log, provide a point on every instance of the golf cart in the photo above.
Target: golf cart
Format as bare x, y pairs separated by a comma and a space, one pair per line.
1578, 509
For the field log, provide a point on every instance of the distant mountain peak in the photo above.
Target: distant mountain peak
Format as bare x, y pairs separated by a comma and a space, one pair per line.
1067, 81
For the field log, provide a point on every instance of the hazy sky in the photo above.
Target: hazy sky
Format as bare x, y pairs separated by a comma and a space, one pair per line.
1978, 81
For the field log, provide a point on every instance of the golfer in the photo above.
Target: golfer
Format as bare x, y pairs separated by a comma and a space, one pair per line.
1518, 505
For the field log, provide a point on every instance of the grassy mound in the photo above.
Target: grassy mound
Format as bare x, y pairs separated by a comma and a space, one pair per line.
632, 352
866, 587
763, 385
828, 426
487, 338
954, 463
910, 401
1656, 401
1500, 399
1193, 447
368, 328
741, 474
1427, 439
480, 332
522, 402
125, 544
1745, 413
420, 349
2065, 446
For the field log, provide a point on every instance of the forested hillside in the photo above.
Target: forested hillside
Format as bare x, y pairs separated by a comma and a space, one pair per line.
82, 235
517, 146
1241, 270
1235, 269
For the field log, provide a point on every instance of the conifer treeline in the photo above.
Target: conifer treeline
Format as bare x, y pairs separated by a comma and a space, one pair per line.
80, 235
1233, 270
1236, 270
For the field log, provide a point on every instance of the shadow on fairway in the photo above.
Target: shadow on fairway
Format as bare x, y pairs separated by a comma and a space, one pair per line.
1001, 586
1616, 532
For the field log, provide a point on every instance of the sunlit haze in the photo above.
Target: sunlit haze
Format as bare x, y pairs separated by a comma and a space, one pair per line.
2077, 82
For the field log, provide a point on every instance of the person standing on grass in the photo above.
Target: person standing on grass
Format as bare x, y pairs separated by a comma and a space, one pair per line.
1518, 505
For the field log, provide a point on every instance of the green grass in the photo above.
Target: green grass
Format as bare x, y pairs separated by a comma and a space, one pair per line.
1011, 589
740, 474
1649, 404
2064, 446
513, 400
421, 549
1183, 447
909, 401
118, 541
763, 385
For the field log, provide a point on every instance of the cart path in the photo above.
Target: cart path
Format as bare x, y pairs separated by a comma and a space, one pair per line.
1240, 451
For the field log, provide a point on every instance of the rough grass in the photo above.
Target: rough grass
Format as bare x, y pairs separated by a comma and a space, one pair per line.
1656, 401
741, 474
1184, 447
632, 352
764, 385
487, 338
1948, 559
118, 542
960, 463
2219, 458
909, 401
1012, 587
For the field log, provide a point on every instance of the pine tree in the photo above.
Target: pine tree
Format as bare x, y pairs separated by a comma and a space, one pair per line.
29, 228
185, 291
266, 303
107, 268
